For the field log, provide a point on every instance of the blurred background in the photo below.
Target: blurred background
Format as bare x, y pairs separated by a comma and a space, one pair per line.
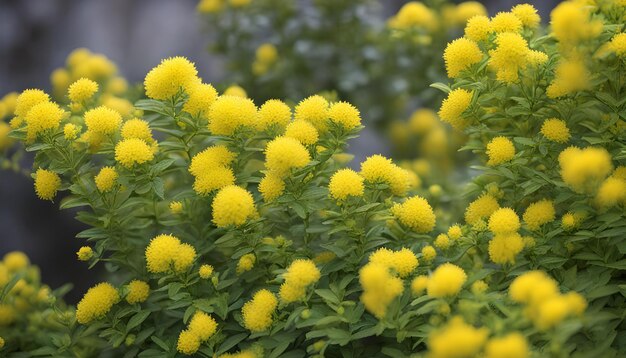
35, 38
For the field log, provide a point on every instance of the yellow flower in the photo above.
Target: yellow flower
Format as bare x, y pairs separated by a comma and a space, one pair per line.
418, 285
274, 112
210, 6
315, 110
236, 91
446, 280
569, 76
460, 55
551, 312
203, 325
611, 192
404, 262
618, 44
481, 208
533, 287
303, 131
257, 313
28, 99
468, 9
106, 179
555, 130
166, 79
42, 117
201, 97
15, 261
70, 131
5, 141
210, 158
423, 121
377, 169
266, 53
454, 232
102, 120
232, 206
120, 105
504, 247
213, 179
511, 56
442, 242
137, 128
271, 187
453, 106
380, 288
414, 14
229, 113
539, 213
138, 291
184, 257
82, 90
166, 252
302, 273
84, 253
205, 271
283, 154
176, 207
117, 86
504, 221
47, 184
513, 345
500, 150
245, 263
584, 169
416, 214
468, 341
527, 14
479, 287
428, 253
344, 114
344, 183
478, 28
129, 152
506, 22
570, 23
96, 303
188, 342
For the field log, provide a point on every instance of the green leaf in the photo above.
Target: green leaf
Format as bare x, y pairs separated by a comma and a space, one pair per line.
137, 319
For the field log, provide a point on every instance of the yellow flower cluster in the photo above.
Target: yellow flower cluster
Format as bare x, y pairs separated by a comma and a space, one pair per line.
452, 108
380, 288
106, 179
96, 303
166, 253
302, 131
402, 262
416, 214
481, 208
246, 263
47, 184
460, 54
378, 169
555, 130
169, 77
414, 14
137, 128
539, 213
233, 205
265, 56
85, 253
201, 327
132, 151
468, 341
274, 113
82, 90
201, 98
584, 169
299, 275
500, 150
230, 113
211, 169
345, 183
284, 154
447, 280
257, 313
138, 291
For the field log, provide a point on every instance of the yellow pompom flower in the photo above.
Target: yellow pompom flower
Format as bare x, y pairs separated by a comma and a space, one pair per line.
15, 260
533, 287
404, 262
500, 150
70, 131
205, 271
504, 247
539, 213
460, 55
271, 187
137, 128
527, 14
302, 273
210, 158
380, 288
504, 221
28, 99
315, 110
129, 152
455, 232
382, 256
117, 86
103, 120
414, 14
138, 291
423, 121
555, 130
481, 208
570, 76
289, 293
506, 22
467, 340
213, 179
416, 214
184, 257
257, 313
283, 154
513, 345
47, 184
551, 312
245, 263
344, 114
453, 106
274, 112
106, 179
82, 90
478, 28
201, 97
176, 207
266, 53
188, 342
428, 253
442, 242
166, 79
446, 280
96, 303
232, 206
479, 287
203, 325
618, 44
378, 169
418, 285
42, 117
303, 131
235, 91
166, 252
229, 113
344, 183
511, 56
611, 192
571, 23
85, 253
584, 169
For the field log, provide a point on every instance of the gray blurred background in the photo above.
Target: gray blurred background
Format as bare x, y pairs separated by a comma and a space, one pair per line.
35, 38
